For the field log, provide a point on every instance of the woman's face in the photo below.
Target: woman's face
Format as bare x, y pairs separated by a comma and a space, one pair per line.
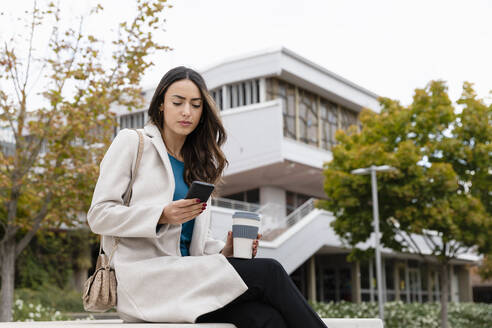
183, 105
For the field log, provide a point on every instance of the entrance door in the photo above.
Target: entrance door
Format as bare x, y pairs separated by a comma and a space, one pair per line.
336, 283
414, 285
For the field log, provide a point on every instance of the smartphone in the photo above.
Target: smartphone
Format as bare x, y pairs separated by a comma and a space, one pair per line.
200, 190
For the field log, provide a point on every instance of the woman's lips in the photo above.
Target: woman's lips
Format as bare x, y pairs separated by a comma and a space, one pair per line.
185, 123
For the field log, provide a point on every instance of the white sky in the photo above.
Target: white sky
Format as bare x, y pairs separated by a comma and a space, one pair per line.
389, 47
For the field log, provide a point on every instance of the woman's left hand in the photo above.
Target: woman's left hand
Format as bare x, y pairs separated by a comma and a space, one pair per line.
255, 245
228, 250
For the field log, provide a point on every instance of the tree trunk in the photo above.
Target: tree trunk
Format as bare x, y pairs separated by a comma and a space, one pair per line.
8, 270
444, 294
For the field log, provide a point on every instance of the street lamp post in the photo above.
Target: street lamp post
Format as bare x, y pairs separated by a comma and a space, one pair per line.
375, 211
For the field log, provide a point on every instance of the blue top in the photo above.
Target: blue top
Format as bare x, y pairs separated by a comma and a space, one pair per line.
180, 190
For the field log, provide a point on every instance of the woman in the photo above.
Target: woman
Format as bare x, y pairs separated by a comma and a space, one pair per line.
168, 267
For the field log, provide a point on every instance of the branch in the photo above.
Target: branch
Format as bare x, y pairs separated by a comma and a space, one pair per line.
453, 249
407, 244
16, 87
419, 251
33, 24
37, 224
428, 240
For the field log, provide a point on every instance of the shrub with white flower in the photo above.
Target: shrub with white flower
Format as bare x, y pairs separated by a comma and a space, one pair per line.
422, 315
24, 311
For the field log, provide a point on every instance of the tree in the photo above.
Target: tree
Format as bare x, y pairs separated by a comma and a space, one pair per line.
441, 191
49, 169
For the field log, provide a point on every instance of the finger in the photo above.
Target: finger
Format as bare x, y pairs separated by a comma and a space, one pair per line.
191, 211
189, 217
190, 208
187, 202
259, 236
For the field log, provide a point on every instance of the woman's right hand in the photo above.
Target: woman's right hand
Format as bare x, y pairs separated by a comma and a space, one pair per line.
181, 211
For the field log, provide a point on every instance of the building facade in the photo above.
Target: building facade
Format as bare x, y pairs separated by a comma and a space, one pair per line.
281, 112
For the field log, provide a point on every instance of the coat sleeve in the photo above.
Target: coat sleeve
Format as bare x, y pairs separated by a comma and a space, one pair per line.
212, 246
108, 215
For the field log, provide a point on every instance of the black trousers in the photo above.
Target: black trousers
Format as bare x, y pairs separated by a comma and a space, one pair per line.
271, 301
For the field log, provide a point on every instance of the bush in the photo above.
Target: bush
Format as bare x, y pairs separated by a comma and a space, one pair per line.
64, 300
424, 315
34, 311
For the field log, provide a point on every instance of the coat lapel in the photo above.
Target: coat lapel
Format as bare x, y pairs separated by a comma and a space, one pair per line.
156, 139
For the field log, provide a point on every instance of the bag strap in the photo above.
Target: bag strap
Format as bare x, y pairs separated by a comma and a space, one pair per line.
128, 193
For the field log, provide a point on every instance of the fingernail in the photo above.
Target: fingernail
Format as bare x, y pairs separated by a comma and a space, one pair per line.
198, 201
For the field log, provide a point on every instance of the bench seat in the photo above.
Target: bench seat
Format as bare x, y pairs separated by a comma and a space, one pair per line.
118, 323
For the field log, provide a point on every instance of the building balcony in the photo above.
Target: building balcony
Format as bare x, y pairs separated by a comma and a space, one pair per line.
260, 154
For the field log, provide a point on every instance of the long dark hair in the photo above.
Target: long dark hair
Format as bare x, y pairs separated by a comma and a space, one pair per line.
203, 158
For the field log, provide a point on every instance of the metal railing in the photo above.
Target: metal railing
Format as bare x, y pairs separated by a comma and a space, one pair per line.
300, 212
235, 204
272, 215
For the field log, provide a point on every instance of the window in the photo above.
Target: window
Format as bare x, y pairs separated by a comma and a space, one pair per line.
277, 89
329, 123
132, 121
348, 118
243, 93
390, 279
249, 196
308, 118
217, 96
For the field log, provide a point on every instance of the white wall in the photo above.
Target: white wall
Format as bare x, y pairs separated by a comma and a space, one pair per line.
254, 136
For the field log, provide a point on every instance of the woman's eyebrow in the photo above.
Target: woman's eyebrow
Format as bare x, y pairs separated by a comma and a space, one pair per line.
184, 98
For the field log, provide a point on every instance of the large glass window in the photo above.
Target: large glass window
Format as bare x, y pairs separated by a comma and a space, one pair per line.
335, 280
308, 118
329, 123
390, 279
277, 89
348, 118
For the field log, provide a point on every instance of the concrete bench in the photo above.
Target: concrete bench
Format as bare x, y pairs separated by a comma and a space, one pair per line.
114, 323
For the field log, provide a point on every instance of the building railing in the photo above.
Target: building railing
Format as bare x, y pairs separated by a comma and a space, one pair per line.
272, 215
300, 212
235, 204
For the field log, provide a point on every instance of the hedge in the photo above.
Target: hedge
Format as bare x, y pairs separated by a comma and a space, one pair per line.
424, 315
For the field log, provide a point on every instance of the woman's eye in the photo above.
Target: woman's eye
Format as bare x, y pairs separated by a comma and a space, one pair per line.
196, 106
177, 104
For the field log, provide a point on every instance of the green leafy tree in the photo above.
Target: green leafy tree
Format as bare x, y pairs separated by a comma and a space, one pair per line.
49, 168
441, 190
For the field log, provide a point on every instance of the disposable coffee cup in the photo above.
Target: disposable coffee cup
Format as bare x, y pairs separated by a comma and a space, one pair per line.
245, 226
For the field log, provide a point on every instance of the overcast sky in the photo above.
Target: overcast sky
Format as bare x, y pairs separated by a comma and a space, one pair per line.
389, 47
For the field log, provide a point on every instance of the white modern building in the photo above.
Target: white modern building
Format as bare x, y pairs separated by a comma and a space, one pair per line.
281, 112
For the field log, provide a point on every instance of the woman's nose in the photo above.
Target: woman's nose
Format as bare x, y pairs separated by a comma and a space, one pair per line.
186, 110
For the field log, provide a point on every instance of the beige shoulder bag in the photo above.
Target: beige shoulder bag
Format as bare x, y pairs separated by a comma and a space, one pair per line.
100, 288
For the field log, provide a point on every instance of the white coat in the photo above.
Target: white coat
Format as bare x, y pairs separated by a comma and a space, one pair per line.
155, 283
